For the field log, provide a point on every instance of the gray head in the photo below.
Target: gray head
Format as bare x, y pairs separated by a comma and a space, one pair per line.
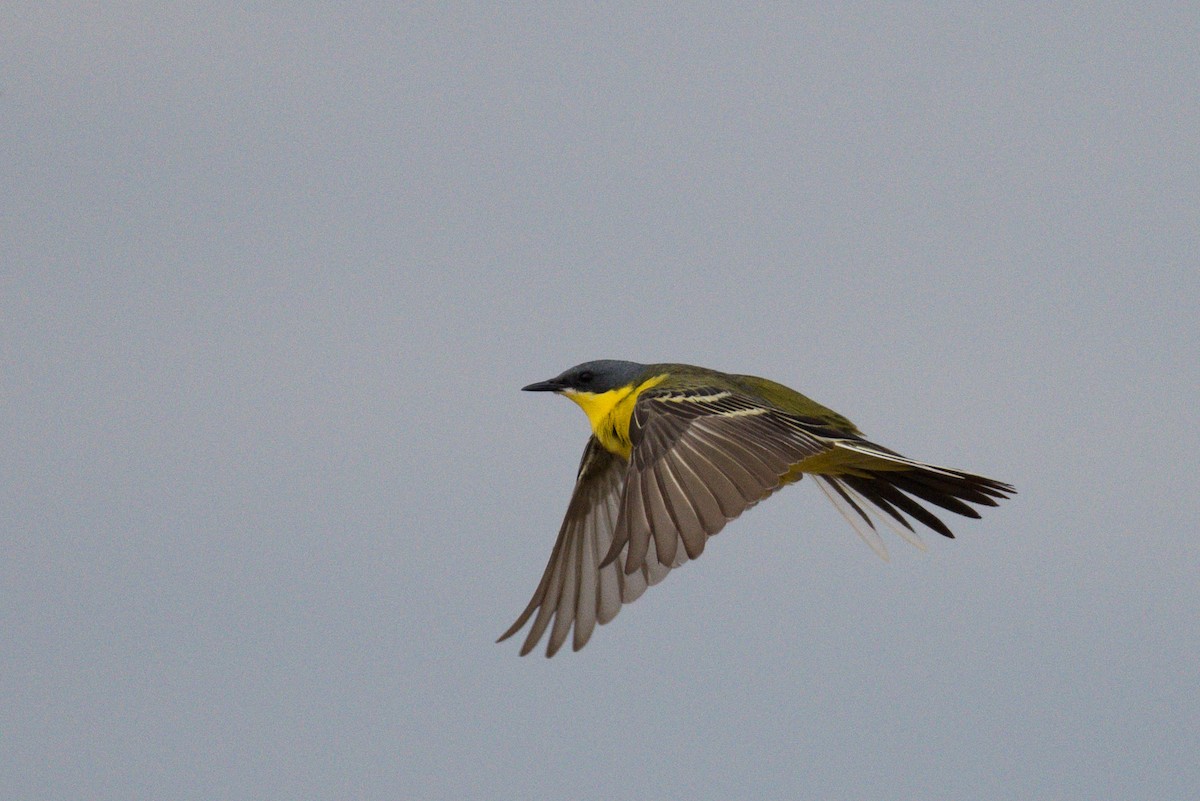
598, 376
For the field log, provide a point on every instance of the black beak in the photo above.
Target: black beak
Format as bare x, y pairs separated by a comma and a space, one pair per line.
553, 385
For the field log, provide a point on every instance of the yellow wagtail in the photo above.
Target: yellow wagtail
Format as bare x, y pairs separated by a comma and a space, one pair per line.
677, 451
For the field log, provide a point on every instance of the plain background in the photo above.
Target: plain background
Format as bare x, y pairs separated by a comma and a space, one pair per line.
271, 280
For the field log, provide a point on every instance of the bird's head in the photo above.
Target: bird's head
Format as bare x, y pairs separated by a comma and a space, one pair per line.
591, 378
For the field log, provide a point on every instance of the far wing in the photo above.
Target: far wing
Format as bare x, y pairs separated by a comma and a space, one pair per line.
575, 588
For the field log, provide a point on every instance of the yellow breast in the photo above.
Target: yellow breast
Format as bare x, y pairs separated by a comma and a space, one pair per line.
610, 412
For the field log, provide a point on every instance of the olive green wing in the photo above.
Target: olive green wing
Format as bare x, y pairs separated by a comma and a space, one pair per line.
575, 588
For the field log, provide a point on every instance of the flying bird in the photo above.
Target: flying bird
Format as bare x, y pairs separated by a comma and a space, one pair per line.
678, 451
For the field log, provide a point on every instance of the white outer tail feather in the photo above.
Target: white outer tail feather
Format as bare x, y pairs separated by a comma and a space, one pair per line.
866, 528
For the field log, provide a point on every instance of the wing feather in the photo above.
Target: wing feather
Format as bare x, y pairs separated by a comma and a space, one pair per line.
589, 598
575, 591
698, 462
694, 469
662, 522
633, 519
564, 613
747, 476
609, 584
686, 519
549, 601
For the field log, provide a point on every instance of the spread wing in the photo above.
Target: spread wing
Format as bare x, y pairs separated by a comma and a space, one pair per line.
575, 588
700, 458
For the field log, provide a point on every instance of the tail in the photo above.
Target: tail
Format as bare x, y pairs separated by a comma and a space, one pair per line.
863, 479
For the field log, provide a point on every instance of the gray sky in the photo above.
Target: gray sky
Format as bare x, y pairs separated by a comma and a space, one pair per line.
271, 282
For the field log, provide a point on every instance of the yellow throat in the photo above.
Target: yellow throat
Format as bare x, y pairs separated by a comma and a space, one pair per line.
610, 412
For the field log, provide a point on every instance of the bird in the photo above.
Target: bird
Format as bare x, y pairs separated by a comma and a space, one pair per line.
677, 451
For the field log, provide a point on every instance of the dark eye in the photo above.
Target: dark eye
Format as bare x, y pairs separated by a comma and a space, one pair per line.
585, 377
